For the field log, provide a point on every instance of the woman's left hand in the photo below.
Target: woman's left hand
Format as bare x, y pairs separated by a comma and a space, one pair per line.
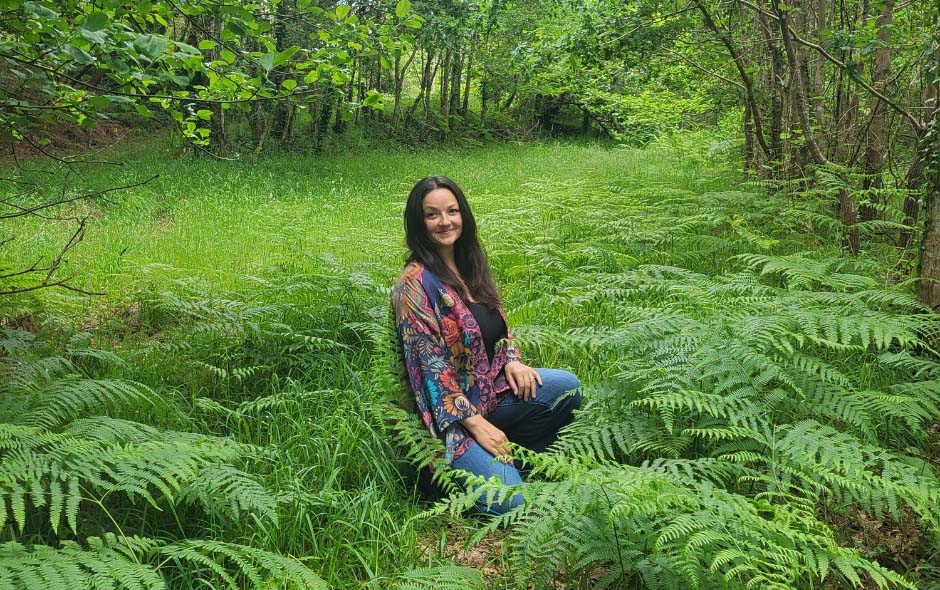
522, 379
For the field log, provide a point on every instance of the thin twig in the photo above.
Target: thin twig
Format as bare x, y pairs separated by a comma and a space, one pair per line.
703, 69
49, 204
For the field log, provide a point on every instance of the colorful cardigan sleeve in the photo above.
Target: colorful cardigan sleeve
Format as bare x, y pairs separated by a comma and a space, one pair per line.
433, 376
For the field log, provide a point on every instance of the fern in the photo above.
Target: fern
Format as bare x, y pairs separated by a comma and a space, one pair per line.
748, 383
58, 463
104, 563
443, 577
239, 566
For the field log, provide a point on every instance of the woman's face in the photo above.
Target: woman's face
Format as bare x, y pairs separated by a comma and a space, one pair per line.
442, 218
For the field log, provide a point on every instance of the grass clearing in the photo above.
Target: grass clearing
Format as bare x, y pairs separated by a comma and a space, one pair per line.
740, 371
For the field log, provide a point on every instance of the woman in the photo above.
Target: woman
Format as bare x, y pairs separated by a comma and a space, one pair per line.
472, 390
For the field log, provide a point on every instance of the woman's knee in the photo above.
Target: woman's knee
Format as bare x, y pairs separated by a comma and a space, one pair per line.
479, 462
562, 386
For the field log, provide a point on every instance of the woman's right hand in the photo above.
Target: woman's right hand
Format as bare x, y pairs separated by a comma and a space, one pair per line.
492, 439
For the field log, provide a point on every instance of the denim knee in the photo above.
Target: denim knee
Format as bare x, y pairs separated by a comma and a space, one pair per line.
555, 388
478, 461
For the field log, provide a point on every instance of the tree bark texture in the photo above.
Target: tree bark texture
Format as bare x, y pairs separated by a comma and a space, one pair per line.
799, 86
876, 144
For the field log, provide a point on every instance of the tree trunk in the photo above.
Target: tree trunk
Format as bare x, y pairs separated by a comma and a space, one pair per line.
739, 62
466, 86
775, 82
750, 162
280, 110
819, 77
445, 83
876, 146
400, 72
799, 87
455, 80
425, 70
427, 93
928, 283
912, 182
849, 217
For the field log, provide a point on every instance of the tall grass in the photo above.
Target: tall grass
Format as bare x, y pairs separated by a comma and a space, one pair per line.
249, 297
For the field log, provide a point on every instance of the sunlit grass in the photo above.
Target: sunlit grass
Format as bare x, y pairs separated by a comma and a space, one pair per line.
313, 243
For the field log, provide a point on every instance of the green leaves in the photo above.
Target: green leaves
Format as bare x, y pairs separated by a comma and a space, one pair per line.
151, 46
95, 21
39, 10
273, 59
78, 54
402, 8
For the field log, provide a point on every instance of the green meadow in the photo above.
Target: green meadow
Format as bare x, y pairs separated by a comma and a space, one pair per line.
752, 393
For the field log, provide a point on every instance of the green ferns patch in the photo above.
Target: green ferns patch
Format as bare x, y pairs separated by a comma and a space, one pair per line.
746, 398
66, 469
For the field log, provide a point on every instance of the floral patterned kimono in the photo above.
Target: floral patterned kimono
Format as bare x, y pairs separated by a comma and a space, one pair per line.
445, 356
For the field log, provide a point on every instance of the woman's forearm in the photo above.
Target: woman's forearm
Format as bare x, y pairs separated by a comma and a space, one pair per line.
492, 439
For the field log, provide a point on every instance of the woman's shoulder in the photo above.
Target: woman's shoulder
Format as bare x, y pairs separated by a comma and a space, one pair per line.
410, 282
411, 293
411, 277
413, 271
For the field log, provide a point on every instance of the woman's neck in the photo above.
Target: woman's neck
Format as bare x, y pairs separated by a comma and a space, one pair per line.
447, 257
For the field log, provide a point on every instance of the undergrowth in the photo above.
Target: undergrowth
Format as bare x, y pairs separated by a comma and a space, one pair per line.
223, 417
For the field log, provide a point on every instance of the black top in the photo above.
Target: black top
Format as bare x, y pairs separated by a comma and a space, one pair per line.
491, 325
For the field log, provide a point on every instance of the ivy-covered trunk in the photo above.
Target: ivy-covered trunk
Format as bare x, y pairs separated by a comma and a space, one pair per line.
928, 285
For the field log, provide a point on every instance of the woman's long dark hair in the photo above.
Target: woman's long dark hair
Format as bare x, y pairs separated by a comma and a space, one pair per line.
468, 254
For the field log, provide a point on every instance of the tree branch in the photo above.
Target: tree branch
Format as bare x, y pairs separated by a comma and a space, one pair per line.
30, 210
917, 124
705, 70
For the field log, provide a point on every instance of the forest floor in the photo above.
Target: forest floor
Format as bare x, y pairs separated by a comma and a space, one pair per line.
244, 291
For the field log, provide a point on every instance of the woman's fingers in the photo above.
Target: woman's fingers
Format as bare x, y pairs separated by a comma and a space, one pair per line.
531, 385
492, 439
511, 380
497, 444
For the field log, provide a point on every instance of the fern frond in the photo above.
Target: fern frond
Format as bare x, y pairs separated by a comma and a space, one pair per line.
103, 564
442, 577
240, 566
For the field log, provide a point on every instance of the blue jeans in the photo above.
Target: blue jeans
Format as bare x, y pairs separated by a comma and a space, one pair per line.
533, 424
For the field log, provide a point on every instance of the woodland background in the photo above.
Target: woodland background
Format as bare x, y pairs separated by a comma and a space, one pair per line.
724, 216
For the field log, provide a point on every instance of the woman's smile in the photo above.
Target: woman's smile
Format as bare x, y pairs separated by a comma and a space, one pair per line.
442, 218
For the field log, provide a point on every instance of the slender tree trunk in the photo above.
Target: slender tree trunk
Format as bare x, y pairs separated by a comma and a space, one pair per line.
400, 72
928, 284
799, 87
849, 217
360, 89
912, 182
742, 72
280, 110
426, 59
455, 80
750, 162
466, 86
484, 98
876, 146
819, 78
775, 83
427, 93
445, 83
